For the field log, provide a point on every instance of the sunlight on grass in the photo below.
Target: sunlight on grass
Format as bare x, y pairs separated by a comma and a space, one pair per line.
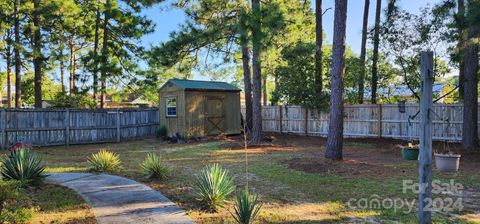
55, 204
471, 218
65, 169
289, 196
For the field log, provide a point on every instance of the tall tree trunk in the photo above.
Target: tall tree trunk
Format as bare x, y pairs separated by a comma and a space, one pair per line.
318, 45
470, 103
264, 91
16, 49
248, 86
257, 73
95, 56
73, 71
104, 56
9, 68
376, 41
363, 52
62, 68
37, 54
335, 128
462, 40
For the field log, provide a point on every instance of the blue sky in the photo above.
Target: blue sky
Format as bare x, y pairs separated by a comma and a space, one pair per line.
169, 19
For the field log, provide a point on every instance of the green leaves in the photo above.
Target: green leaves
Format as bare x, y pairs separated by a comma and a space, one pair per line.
24, 166
212, 186
104, 162
247, 207
154, 167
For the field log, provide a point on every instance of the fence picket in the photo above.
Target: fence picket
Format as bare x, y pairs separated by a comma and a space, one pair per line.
45, 127
366, 120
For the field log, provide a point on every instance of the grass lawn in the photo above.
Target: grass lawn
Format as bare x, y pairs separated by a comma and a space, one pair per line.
56, 204
291, 176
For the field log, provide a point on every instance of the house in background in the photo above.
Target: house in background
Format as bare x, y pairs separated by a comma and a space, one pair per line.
396, 93
132, 100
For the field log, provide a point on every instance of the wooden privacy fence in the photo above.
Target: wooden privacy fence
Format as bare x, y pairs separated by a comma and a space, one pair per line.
45, 127
367, 120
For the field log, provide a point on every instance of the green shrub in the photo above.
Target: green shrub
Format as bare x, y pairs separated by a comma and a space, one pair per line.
247, 207
213, 185
24, 166
63, 100
15, 206
104, 161
154, 167
162, 131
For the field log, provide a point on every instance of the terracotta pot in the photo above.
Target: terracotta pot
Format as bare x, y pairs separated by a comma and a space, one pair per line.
447, 162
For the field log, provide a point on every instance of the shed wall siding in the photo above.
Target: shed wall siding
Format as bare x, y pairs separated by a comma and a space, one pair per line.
232, 113
177, 123
195, 113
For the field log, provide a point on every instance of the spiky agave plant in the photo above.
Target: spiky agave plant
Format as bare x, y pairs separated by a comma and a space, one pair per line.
104, 161
23, 165
154, 167
247, 207
213, 185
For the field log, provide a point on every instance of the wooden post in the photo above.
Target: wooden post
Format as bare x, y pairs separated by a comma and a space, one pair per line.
281, 118
306, 121
67, 126
379, 123
425, 166
3, 120
118, 125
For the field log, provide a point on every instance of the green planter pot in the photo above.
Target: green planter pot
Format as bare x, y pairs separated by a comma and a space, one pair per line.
410, 153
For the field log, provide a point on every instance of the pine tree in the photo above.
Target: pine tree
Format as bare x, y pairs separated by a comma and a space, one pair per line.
363, 51
470, 111
17, 44
37, 53
257, 73
318, 42
335, 128
376, 42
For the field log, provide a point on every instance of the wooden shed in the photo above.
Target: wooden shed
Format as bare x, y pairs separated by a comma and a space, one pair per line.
200, 108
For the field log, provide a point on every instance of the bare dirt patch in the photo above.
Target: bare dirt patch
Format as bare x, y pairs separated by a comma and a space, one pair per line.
363, 157
345, 168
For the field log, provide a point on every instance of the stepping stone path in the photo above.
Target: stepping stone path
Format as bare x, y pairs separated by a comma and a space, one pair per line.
116, 199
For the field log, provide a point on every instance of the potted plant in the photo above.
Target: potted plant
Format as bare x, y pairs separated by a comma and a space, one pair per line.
410, 152
447, 160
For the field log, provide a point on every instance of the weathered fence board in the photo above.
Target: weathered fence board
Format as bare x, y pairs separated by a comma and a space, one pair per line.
44, 127
367, 120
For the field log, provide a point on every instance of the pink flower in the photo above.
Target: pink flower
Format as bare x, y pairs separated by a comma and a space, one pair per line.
18, 146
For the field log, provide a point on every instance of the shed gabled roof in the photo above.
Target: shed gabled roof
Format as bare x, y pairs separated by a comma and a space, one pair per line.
202, 85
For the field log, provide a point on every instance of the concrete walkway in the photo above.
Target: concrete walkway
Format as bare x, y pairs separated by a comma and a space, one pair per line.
116, 199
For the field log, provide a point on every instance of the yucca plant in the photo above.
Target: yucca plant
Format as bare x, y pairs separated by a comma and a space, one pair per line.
247, 207
154, 167
104, 161
23, 165
213, 185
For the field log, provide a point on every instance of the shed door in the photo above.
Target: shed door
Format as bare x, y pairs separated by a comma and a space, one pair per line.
215, 116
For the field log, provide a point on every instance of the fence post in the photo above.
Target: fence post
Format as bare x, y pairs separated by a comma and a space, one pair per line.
118, 125
3, 120
425, 162
379, 123
281, 118
67, 126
